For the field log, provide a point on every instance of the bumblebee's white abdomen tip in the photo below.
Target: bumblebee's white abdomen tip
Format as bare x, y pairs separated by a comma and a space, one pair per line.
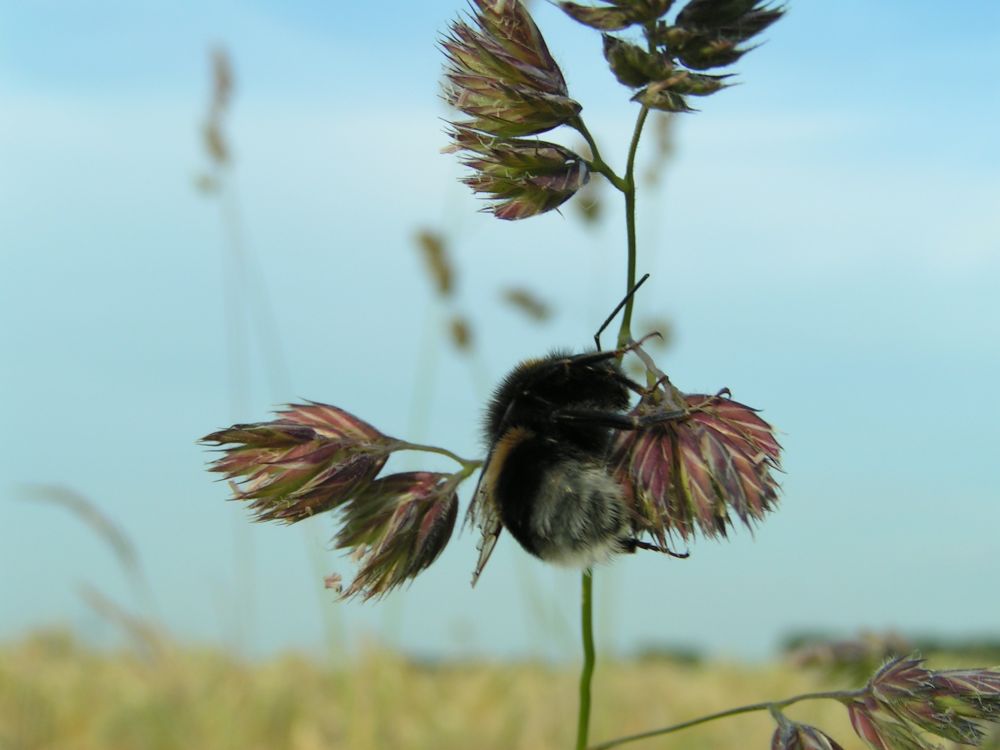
579, 516
598, 554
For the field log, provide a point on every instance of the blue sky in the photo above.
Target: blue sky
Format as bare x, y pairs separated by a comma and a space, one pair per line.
825, 243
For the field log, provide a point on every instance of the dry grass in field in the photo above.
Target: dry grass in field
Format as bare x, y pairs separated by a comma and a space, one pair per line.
56, 693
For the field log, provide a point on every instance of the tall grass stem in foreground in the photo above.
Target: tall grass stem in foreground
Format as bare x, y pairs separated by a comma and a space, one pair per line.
627, 186
589, 658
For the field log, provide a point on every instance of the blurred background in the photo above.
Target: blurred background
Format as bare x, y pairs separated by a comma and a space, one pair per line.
174, 257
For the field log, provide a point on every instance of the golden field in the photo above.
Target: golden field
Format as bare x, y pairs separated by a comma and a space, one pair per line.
56, 693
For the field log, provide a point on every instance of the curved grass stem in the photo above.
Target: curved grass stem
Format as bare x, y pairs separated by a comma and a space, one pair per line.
597, 163
839, 695
468, 465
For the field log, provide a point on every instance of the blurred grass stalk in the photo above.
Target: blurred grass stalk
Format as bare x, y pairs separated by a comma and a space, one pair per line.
104, 528
249, 314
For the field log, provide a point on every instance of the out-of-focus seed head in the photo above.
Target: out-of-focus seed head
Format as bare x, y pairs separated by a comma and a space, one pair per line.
663, 132
311, 459
705, 34
852, 659
222, 78
664, 328
460, 331
664, 84
632, 65
522, 177
215, 142
708, 33
213, 135
501, 75
713, 12
791, 736
615, 15
528, 303
396, 527
693, 472
432, 246
603, 18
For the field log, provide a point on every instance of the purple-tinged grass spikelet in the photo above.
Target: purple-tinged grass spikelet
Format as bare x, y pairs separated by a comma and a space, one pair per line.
522, 177
905, 699
396, 527
501, 75
793, 736
311, 459
692, 473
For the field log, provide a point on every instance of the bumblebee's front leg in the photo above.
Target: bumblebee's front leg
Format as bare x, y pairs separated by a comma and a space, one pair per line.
615, 420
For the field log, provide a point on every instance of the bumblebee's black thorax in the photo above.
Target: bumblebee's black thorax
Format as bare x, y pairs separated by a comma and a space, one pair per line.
535, 389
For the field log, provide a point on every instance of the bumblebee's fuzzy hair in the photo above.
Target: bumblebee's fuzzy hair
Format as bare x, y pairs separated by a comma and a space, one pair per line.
549, 479
529, 393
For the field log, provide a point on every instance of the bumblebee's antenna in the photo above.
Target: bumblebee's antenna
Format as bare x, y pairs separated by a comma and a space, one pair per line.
626, 298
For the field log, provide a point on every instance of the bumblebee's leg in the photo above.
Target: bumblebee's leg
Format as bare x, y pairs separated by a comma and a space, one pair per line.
584, 360
588, 358
606, 323
614, 420
602, 356
626, 381
631, 545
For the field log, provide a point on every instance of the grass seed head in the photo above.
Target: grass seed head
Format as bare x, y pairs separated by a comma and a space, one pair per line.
695, 472
396, 527
311, 459
522, 177
501, 75
792, 736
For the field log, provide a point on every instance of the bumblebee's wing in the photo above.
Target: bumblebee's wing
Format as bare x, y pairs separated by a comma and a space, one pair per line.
484, 514
491, 533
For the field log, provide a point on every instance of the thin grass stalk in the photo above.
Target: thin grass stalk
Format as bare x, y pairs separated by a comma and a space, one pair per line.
625, 331
837, 695
627, 187
589, 658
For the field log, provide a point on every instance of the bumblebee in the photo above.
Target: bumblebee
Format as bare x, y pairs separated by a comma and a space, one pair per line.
550, 427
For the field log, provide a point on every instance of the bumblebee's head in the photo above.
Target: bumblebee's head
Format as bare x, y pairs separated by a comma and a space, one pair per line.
531, 391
